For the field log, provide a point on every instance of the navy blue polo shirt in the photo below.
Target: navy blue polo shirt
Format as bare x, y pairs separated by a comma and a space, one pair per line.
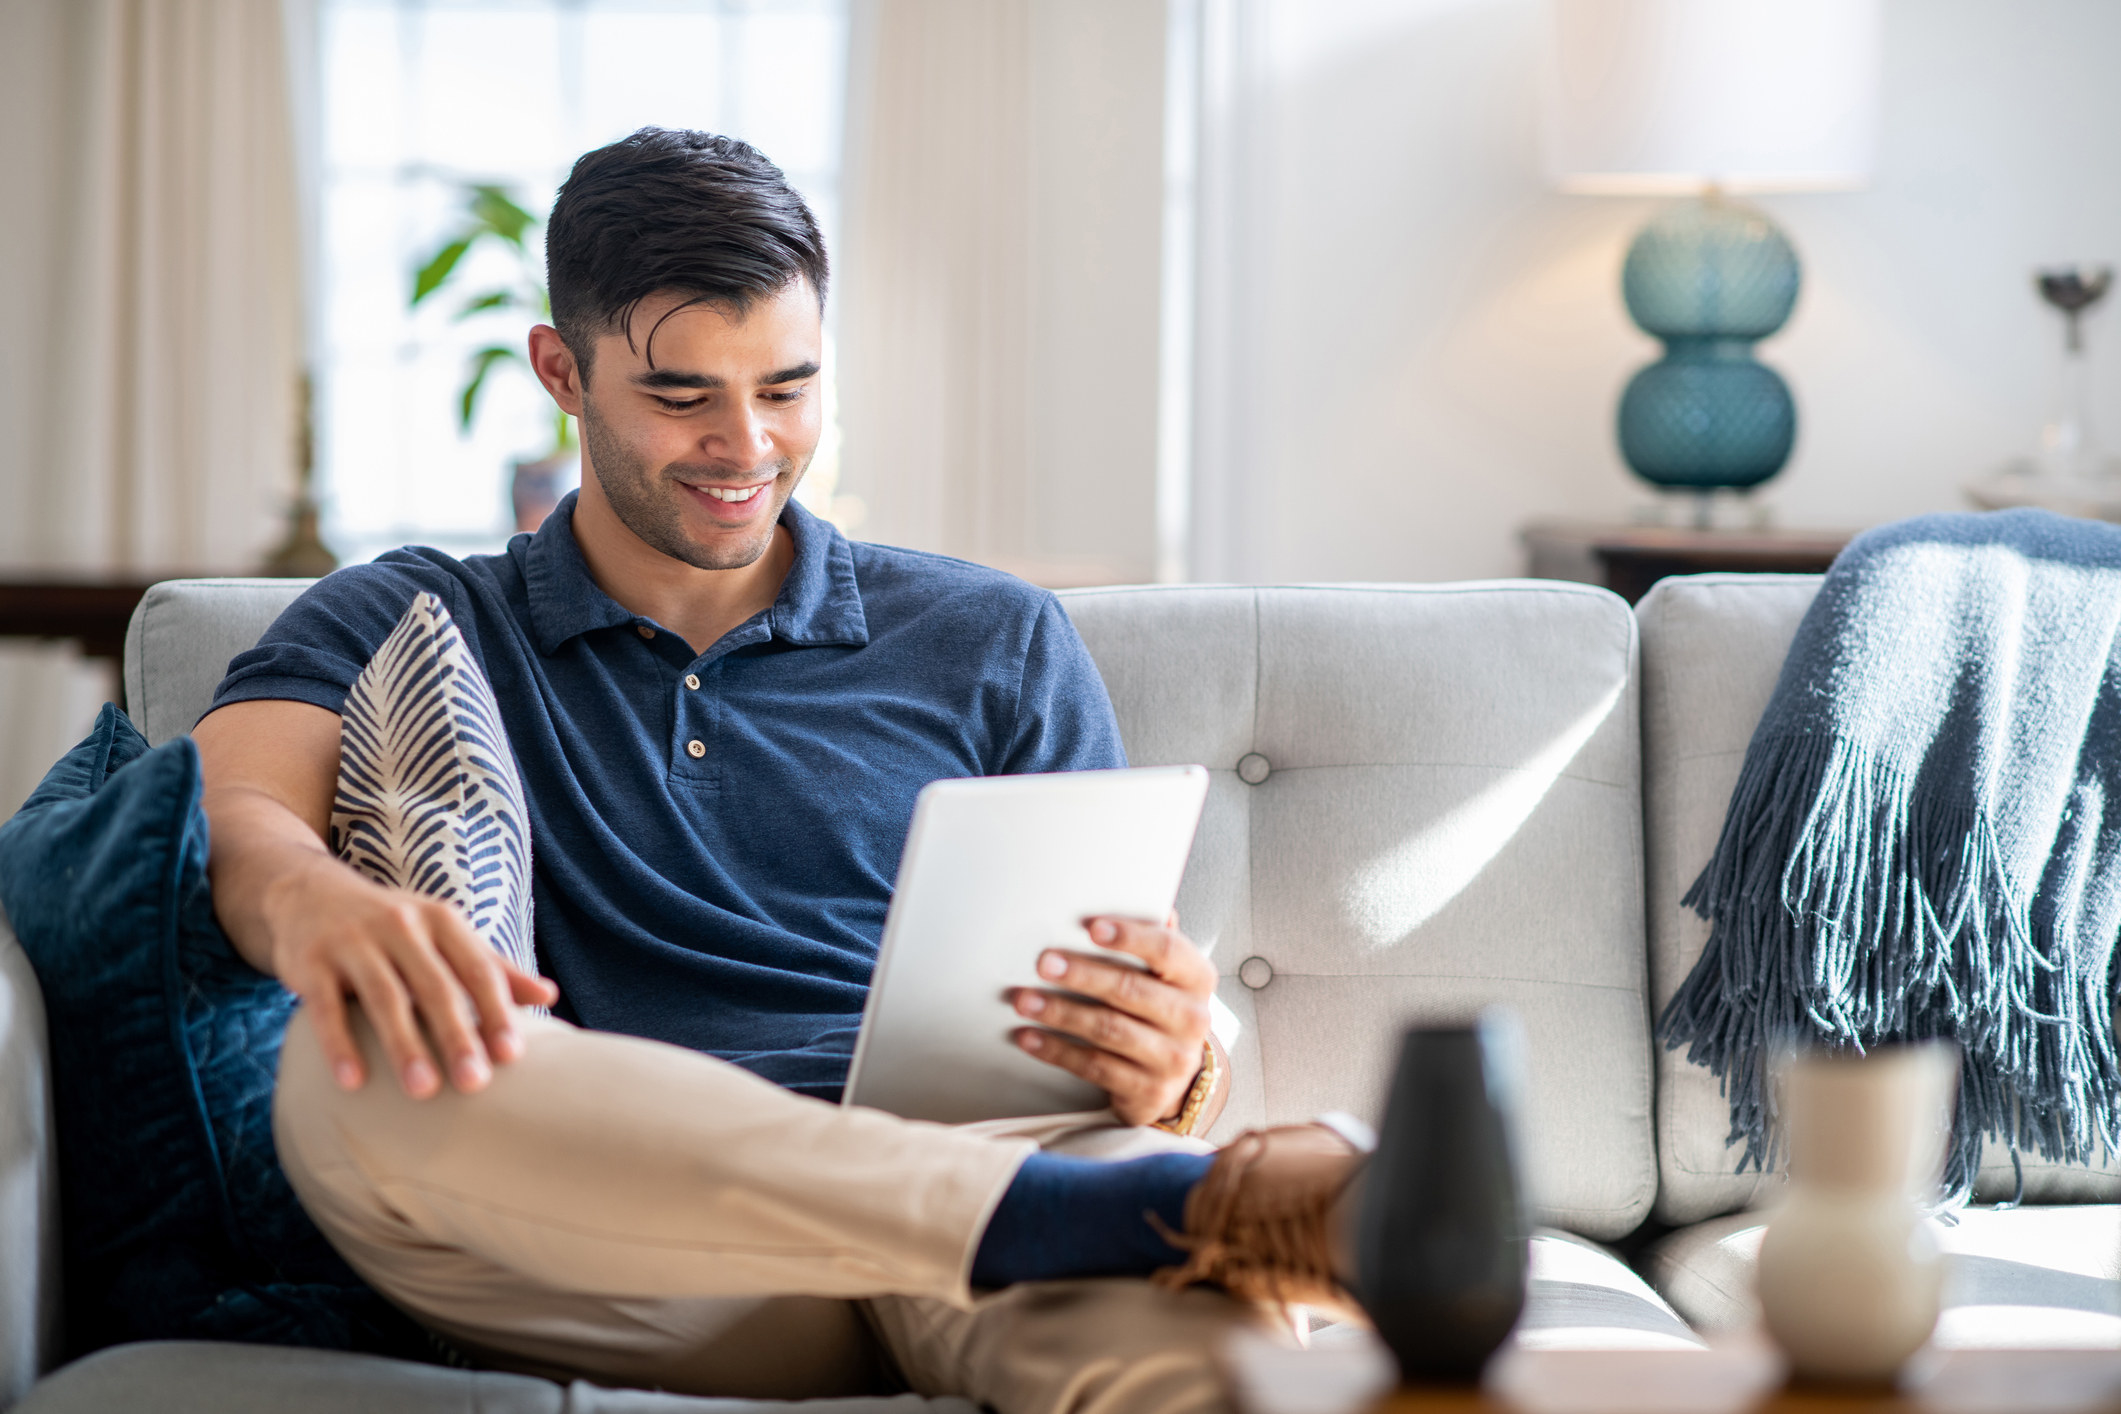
714, 836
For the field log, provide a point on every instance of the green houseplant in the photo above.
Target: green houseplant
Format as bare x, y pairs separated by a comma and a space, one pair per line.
492, 216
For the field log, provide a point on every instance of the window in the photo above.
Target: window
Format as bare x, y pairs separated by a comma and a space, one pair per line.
422, 97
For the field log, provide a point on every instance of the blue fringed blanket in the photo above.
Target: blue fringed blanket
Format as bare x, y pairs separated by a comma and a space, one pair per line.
1925, 840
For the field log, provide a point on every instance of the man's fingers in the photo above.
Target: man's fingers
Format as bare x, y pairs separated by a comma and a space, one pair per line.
480, 972
1128, 1084
1149, 1047
388, 1006
326, 1005
450, 1015
1170, 954
528, 988
1129, 989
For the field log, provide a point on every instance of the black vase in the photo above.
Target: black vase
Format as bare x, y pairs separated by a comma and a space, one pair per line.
1443, 1242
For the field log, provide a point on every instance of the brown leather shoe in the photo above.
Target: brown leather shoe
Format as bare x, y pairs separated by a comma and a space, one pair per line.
1260, 1225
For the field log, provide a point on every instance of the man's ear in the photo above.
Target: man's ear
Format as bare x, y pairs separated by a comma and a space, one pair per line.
555, 365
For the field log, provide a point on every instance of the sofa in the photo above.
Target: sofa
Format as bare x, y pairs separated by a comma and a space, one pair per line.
1426, 799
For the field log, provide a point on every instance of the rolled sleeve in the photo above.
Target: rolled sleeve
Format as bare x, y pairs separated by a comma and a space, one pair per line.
320, 643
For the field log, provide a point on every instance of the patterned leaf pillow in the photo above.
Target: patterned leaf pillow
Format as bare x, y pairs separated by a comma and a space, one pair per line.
429, 798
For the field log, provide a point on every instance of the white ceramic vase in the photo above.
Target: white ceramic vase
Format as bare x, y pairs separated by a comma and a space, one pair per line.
1850, 1277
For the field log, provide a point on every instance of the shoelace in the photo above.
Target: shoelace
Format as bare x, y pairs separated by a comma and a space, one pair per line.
1275, 1253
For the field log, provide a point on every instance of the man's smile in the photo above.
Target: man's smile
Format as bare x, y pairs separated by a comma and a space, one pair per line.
731, 505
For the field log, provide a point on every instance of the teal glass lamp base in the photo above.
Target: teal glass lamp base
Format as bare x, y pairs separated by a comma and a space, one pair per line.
1704, 417
1710, 278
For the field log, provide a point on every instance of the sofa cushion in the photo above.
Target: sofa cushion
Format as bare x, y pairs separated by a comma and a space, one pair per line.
2034, 1276
1712, 649
177, 1219
1579, 1297
1425, 799
1582, 1297
196, 1377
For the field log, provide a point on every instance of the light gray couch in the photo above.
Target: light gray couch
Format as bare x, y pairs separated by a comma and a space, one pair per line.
1426, 799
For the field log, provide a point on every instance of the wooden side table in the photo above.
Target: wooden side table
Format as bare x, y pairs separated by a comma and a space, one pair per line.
1628, 559
93, 609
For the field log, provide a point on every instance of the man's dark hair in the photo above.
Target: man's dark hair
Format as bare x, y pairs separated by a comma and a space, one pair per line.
703, 215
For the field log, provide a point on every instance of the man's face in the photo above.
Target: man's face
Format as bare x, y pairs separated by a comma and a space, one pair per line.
698, 450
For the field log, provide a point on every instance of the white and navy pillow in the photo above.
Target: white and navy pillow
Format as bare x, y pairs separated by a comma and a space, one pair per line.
429, 798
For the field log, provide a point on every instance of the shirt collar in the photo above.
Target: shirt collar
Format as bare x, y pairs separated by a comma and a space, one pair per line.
819, 603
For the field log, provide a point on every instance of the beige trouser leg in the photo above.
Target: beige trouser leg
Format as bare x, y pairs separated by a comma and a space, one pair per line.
631, 1211
1112, 1346
638, 1213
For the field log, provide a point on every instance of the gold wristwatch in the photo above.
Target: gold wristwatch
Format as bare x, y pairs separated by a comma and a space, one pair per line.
1196, 1103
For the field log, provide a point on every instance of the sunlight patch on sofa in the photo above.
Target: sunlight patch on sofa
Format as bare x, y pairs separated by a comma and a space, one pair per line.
1405, 886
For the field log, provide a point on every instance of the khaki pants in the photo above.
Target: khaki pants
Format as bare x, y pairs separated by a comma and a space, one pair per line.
632, 1212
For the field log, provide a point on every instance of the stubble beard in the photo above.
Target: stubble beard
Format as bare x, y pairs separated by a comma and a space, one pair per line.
648, 501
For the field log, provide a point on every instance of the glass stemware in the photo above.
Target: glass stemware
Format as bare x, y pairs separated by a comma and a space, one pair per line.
2069, 446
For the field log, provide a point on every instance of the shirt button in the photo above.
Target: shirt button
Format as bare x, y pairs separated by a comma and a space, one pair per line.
695, 748
644, 630
692, 680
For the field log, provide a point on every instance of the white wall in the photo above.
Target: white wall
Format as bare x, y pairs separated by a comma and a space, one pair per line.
1436, 342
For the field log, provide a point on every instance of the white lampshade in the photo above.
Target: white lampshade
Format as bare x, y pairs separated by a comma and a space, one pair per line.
1751, 95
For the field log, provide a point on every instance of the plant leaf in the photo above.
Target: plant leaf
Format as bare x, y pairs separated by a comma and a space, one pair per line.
494, 209
436, 270
493, 299
482, 363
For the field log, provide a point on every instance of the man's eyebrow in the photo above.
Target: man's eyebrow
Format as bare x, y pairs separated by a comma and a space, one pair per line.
679, 378
675, 378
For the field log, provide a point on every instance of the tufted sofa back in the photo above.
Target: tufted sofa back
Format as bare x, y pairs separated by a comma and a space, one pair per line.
1426, 799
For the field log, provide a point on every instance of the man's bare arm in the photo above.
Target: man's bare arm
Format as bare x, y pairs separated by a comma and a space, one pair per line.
419, 970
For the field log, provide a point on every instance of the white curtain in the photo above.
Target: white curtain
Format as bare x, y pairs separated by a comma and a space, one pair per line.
998, 319
934, 336
150, 307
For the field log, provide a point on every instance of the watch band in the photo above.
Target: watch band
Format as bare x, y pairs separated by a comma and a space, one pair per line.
1196, 1100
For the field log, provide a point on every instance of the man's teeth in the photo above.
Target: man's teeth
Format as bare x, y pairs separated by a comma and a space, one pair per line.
725, 493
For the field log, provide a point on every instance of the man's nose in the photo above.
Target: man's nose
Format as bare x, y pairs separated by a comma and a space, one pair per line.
743, 437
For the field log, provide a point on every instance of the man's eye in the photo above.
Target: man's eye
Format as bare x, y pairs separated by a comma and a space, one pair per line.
789, 396
679, 404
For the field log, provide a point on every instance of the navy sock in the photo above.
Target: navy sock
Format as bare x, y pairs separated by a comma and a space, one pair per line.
1070, 1217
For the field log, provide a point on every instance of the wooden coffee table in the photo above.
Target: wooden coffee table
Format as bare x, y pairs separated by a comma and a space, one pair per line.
1745, 1381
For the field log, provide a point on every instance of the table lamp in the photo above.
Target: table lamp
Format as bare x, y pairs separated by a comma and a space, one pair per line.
1710, 98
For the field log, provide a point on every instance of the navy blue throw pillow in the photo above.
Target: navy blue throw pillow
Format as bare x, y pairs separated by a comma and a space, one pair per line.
177, 1222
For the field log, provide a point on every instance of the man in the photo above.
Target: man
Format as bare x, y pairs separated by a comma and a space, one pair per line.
722, 711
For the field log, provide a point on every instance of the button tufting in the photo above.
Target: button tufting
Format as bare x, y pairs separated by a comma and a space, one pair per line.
695, 748
692, 680
1252, 768
1255, 972
644, 630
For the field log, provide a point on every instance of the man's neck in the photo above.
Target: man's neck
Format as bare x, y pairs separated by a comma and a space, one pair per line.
698, 605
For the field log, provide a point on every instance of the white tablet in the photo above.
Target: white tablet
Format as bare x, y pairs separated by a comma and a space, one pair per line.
996, 870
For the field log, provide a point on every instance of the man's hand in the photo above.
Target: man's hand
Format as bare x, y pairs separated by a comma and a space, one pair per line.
1139, 1035
419, 970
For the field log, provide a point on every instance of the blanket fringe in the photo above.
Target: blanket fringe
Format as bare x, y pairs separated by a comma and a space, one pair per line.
1848, 910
